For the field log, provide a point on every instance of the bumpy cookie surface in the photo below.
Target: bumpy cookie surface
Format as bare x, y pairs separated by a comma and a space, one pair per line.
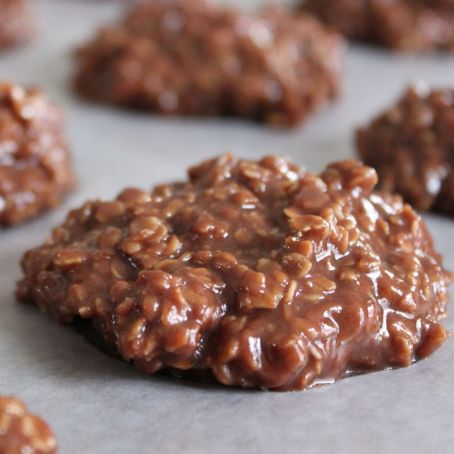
21, 432
257, 273
411, 146
190, 57
35, 165
409, 25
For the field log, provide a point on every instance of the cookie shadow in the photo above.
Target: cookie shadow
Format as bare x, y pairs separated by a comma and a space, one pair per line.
77, 352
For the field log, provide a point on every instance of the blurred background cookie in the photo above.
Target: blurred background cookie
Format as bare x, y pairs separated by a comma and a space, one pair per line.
22, 432
409, 25
35, 165
191, 57
411, 146
16, 22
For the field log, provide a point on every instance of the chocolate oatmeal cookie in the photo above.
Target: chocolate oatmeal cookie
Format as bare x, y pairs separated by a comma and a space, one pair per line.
35, 168
411, 146
21, 432
190, 57
409, 25
16, 24
256, 273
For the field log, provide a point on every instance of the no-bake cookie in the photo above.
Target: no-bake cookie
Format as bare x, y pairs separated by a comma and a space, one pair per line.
409, 25
191, 57
411, 146
256, 273
21, 432
16, 24
35, 166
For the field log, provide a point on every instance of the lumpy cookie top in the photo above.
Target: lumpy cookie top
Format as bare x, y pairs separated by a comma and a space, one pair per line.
412, 147
257, 272
192, 57
16, 24
21, 432
35, 167
409, 25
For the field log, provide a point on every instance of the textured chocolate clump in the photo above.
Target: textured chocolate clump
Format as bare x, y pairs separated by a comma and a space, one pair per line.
411, 146
408, 25
35, 167
21, 432
16, 24
191, 57
258, 273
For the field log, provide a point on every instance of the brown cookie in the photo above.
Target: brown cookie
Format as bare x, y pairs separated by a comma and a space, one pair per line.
35, 167
408, 25
16, 22
411, 146
191, 57
22, 432
256, 273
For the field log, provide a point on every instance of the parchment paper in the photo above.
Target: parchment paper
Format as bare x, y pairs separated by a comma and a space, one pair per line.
97, 404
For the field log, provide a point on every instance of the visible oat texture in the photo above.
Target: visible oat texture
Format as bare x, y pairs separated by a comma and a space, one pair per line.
412, 147
191, 57
257, 273
21, 432
16, 24
408, 25
35, 167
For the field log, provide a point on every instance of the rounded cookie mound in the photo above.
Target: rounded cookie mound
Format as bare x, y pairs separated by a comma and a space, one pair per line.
191, 57
21, 432
411, 146
256, 272
16, 24
408, 25
35, 167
